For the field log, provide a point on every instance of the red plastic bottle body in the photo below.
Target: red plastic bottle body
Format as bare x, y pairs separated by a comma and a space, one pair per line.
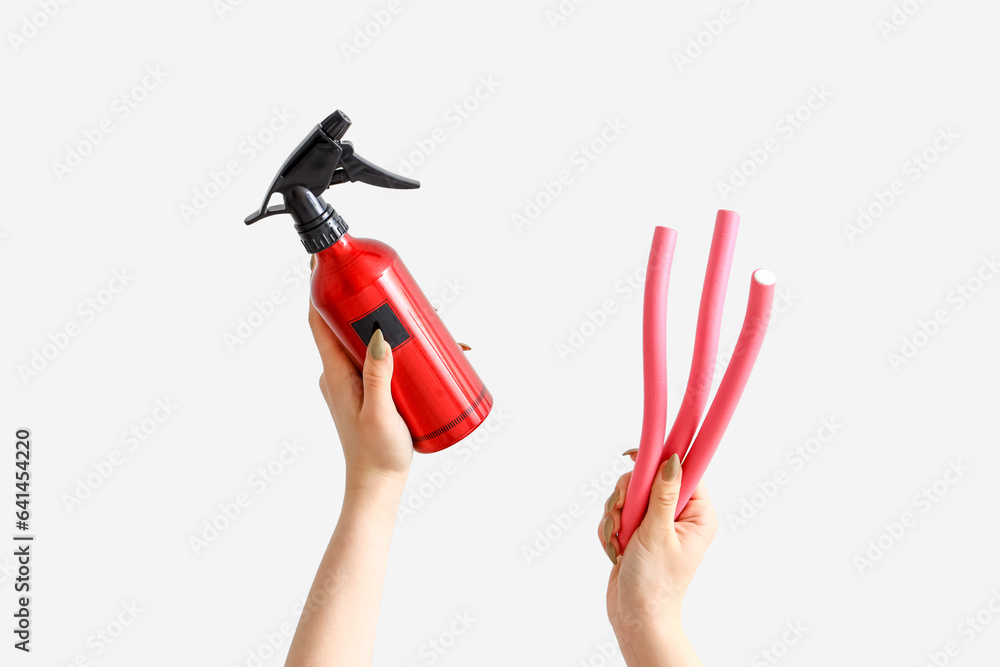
359, 285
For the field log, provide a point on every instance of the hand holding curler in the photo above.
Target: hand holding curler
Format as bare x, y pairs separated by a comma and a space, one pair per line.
647, 584
652, 450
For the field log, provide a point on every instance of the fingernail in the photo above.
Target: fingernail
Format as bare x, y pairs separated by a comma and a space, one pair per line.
612, 554
464, 347
630, 452
672, 469
609, 525
612, 500
376, 346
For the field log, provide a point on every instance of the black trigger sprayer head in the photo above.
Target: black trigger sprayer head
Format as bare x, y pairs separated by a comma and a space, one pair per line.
322, 160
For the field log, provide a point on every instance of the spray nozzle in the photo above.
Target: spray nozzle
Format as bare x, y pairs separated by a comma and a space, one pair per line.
322, 160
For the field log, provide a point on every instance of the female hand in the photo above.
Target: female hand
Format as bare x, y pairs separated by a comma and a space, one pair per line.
377, 445
340, 615
648, 582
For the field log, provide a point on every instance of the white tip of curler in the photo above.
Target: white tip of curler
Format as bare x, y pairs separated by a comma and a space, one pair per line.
764, 277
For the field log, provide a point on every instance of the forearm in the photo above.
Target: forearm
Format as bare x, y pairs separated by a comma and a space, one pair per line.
340, 616
669, 648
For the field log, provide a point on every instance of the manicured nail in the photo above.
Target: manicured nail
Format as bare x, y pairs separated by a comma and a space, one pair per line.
376, 346
612, 554
630, 452
672, 469
609, 525
612, 500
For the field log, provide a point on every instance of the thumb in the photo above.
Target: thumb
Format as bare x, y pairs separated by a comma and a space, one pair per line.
664, 494
377, 375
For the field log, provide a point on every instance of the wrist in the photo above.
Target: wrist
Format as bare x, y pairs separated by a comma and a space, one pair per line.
373, 491
373, 481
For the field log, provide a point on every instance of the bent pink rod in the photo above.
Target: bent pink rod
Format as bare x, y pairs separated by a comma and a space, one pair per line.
653, 451
654, 363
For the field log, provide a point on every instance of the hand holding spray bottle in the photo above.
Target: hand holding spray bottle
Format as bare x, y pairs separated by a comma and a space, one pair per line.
361, 285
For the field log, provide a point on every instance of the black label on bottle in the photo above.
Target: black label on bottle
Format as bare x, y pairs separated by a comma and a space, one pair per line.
384, 318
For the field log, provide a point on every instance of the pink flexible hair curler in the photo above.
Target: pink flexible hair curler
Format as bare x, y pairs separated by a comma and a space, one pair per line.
652, 450
654, 364
731, 388
706, 340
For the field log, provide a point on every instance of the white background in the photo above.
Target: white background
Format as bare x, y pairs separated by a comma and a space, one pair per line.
849, 302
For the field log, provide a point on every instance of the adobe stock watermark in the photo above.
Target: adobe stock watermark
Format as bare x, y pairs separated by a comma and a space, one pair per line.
270, 643
420, 491
796, 459
366, 33
967, 631
605, 653
217, 180
437, 646
231, 509
912, 170
553, 187
264, 308
594, 490
779, 648
447, 295
132, 439
922, 502
86, 312
956, 299
223, 8
107, 635
709, 33
298, 275
586, 328
32, 24
787, 126
120, 109
453, 118
899, 15
560, 12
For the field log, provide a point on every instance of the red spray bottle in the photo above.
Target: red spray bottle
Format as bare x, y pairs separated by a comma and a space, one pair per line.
360, 285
